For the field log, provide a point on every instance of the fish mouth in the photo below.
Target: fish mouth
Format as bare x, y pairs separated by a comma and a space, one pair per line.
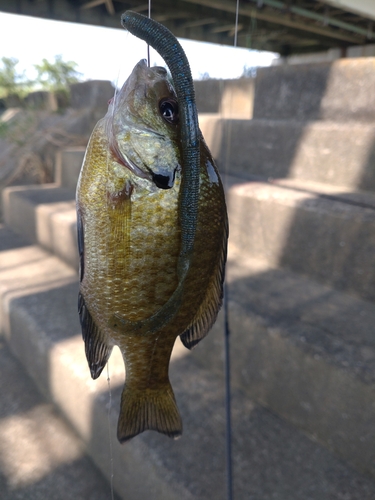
164, 181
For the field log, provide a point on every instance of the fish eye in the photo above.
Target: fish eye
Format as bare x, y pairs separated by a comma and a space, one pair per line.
169, 110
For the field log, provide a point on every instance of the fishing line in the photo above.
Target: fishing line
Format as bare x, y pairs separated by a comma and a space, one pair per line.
109, 431
116, 84
228, 399
148, 45
236, 24
228, 412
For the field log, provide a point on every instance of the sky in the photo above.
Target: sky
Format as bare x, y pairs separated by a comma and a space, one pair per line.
110, 54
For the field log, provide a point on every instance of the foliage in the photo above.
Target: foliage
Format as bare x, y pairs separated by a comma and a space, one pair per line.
57, 75
4, 127
52, 76
204, 76
17, 130
12, 82
249, 72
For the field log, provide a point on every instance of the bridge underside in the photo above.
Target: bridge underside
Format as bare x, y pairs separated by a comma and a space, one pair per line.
287, 27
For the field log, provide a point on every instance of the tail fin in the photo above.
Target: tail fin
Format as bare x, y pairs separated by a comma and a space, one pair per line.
153, 409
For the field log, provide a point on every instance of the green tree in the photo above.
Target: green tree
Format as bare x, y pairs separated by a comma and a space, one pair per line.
57, 75
12, 82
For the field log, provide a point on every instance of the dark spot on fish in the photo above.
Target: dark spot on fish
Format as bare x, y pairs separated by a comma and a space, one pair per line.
169, 110
163, 181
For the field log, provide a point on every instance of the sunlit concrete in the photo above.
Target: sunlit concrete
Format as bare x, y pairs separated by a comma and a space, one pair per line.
33, 444
41, 457
361, 7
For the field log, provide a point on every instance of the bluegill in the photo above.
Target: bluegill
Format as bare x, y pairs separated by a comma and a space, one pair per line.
151, 260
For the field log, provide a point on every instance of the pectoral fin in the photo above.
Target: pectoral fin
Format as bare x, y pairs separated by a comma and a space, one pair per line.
97, 348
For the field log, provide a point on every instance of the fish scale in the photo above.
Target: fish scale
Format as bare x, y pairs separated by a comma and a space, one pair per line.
139, 277
143, 281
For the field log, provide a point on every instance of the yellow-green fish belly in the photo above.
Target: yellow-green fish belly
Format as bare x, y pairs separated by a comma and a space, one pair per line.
131, 241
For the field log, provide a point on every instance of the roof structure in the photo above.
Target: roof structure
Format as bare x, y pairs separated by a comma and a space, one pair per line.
283, 26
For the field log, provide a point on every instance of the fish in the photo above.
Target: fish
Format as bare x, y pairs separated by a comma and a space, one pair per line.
152, 237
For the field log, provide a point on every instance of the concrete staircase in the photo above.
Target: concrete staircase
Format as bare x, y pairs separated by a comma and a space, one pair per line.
301, 311
41, 456
309, 307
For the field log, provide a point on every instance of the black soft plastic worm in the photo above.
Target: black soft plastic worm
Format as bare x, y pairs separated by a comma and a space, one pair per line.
166, 44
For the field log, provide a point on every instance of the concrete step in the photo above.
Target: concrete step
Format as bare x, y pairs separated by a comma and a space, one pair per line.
324, 234
45, 215
305, 351
340, 154
68, 167
340, 90
41, 457
271, 458
230, 98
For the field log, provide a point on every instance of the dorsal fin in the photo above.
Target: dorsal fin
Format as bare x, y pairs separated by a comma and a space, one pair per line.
211, 304
81, 244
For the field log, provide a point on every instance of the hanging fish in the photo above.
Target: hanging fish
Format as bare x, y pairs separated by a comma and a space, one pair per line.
152, 233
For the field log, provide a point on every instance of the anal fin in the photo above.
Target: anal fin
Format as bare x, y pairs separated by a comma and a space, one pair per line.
97, 348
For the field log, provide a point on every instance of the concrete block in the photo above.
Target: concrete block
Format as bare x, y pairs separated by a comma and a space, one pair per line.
45, 215
329, 240
91, 94
367, 50
41, 457
68, 166
237, 99
57, 230
10, 240
305, 351
328, 236
41, 100
27, 270
229, 98
208, 95
313, 57
44, 335
327, 152
339, 91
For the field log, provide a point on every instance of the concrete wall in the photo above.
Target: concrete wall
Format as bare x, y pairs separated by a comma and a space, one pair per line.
327, 56
230, 98
312, 122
